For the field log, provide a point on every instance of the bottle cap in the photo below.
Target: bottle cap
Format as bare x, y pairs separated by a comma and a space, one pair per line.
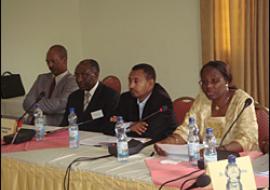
119, 118
209, 130
231, 159
71, 110
191, 120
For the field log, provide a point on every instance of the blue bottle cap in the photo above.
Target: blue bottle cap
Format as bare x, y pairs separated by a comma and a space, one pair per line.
191, 120
209, 130
119, 118
231, 159
71, 110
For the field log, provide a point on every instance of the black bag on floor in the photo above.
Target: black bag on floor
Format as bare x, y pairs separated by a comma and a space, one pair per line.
11, 85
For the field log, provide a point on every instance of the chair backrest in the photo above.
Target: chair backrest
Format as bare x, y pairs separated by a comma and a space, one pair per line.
181, 106
262, 114
112, 82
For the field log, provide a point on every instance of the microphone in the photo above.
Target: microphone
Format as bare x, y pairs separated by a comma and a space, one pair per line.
181, 177
163, 108
202, 181
41, 95
135, 146
248, 101
22, 135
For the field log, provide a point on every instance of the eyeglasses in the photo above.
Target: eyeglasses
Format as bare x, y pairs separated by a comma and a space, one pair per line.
214, 82
84, 75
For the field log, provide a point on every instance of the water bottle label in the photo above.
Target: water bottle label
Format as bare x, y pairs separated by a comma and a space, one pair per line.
40, 130
210, 158
193, 148
194, 152
73, 138
122, 149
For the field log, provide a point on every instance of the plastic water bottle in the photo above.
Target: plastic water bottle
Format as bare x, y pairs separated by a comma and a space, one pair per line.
210, 152
39, 123
122, 142
193, 141
233, 174
74, 138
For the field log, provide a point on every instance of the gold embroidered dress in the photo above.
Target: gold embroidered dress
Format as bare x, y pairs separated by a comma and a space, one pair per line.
244, 131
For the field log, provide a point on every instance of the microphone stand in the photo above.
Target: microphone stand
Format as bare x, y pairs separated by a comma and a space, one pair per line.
19, 121
247, 103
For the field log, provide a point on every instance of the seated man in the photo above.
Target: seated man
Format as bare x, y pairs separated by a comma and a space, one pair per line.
53, 88
145, 97
94, 102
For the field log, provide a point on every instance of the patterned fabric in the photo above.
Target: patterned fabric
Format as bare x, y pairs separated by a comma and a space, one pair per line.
244, 131
86, 100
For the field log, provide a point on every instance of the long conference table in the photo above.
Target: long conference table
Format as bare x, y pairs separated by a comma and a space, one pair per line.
44, 169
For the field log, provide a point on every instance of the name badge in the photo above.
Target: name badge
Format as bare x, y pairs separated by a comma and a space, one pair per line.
97, 114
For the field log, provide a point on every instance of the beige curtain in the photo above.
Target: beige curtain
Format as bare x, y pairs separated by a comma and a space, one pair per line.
237, 32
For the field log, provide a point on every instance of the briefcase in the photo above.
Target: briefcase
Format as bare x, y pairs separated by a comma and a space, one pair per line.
11, 85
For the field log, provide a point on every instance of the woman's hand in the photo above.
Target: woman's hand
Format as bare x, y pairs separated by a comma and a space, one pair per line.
172, 139
159, 150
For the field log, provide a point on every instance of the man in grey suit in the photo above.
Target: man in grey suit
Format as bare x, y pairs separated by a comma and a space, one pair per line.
53, 88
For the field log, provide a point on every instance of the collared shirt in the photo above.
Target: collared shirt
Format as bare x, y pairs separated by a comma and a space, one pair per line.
58, 78
142, 104
92, 91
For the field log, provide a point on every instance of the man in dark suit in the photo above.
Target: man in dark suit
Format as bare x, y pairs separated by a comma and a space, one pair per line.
145, 97
93, 101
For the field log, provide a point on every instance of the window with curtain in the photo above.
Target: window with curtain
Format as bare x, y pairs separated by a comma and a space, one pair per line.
237, 32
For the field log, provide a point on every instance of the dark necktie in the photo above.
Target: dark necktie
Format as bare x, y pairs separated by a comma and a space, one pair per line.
52, 87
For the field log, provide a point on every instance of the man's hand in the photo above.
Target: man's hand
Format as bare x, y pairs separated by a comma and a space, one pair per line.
139, 127
113, 119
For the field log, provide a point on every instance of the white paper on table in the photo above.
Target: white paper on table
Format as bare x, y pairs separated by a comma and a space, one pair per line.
105, 140
48, 128
98, 140
175, 152
174, 149
261, 165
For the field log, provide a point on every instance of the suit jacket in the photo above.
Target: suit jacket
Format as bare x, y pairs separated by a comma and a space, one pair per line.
104, 99
54, 107
160, 125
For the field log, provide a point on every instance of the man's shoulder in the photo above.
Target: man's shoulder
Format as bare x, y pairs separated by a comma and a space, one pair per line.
106, 90
160, 91
45, 75
126, 95
76, 93
69, 75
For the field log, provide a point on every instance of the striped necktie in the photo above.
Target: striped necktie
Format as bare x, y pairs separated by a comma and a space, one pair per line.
86, 101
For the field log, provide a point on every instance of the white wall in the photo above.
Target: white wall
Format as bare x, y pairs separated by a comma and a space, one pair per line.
118, 34
30, 27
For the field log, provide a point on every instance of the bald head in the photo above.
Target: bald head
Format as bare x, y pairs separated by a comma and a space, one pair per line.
57, 59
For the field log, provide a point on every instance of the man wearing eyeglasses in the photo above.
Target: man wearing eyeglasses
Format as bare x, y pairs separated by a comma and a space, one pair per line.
94, 102
51, 90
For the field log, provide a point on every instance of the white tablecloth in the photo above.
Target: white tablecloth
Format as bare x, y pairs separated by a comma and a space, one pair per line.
44, 169
12, 107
